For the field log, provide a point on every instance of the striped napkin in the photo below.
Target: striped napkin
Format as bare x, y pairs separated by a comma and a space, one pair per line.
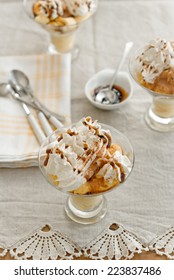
50, 80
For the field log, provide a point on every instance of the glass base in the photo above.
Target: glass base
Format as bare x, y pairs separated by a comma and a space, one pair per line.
159, 123
84, 210
74, 52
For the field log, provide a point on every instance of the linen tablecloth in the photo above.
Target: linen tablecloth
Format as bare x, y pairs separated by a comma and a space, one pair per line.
144, 204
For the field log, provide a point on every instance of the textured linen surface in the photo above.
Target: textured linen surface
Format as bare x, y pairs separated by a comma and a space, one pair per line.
144, 204
50, 81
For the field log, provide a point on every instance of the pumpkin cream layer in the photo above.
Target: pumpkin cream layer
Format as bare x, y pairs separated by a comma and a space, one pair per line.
163, 84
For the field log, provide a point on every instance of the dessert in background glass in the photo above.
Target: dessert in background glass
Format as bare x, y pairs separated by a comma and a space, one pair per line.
62, 19
86, 160
153, 68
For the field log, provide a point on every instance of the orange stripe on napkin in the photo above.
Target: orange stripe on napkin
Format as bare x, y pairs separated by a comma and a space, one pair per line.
13, 122
57, 91
44, 79
29, 133
50, 94
17, 126
37, 76
36, 90
28, 142
19, 118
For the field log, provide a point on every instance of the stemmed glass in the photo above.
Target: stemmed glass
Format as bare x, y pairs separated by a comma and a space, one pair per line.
160, 114
63, 37
87, 208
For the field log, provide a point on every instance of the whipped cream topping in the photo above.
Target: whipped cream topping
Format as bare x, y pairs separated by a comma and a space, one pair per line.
82, 151
157, 56
50, 8
78, 7
124, 161
110, 173
74, 152
112, 170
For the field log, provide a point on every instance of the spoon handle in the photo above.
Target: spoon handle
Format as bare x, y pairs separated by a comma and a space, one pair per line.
46, 110
45, 124
48, 113
34, 125
36, 128
55, 122
127, 49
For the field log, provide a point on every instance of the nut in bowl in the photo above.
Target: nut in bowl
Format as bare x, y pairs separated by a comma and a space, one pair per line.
86, 160
122, 89
152, 67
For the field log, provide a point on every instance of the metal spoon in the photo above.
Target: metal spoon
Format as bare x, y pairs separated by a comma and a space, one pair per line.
108, 94
20, 82
6, 89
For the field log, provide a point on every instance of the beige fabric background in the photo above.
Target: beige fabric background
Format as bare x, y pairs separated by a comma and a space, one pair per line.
145, 203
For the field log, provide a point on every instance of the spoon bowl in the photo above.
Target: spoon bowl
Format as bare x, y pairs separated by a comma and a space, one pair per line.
20, 83
4, 89
19, 80
106, 95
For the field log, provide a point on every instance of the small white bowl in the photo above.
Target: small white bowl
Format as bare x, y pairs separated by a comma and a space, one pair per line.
103, 78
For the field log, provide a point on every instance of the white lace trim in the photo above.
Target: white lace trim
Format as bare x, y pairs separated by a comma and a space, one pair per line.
44, 245
114, 243
164, 244
3, 251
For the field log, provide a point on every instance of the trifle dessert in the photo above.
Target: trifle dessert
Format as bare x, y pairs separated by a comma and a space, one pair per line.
86, 161
62, 18
153, 68
157, 66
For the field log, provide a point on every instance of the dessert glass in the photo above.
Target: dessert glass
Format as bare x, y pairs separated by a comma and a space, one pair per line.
62, 38
160, 114
87, 208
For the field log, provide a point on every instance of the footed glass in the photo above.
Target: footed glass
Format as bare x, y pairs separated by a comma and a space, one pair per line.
160, 114
88, 208
63, 38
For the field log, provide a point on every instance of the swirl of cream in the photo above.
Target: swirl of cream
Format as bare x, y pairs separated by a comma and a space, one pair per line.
74, 152
157, 56
109, 173
50, 8
65, 176
78, 7
124, 161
